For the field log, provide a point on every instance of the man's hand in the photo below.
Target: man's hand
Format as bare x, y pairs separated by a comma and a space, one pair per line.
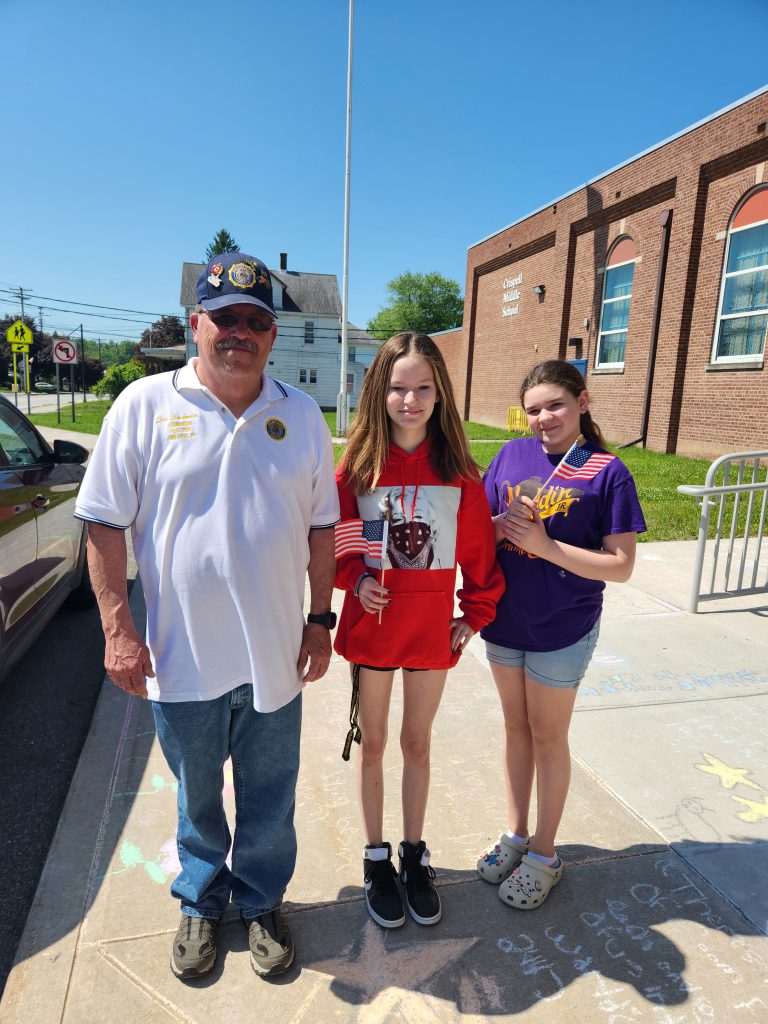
127, 661
315, 649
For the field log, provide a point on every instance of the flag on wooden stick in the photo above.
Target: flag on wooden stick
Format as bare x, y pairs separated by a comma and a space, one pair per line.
363, 536
582, 464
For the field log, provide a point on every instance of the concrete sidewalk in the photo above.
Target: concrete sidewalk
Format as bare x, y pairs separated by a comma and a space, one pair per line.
661, 916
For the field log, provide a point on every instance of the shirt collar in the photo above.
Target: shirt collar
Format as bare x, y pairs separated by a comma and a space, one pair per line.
271, 391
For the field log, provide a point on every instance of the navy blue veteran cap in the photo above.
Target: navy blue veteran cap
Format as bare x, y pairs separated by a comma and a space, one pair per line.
233, 277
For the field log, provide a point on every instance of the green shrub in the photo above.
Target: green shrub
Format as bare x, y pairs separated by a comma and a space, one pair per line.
117, 378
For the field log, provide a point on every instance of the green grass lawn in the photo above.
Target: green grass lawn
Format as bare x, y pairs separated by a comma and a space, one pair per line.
88, 416
670, 516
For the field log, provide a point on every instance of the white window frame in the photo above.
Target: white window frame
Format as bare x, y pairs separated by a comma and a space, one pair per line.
307, 375
309, 332
621, 298
725, 276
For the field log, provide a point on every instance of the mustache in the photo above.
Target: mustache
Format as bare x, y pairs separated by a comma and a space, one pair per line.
228, 343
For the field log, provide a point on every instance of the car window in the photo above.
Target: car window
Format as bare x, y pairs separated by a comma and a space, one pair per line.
19, 442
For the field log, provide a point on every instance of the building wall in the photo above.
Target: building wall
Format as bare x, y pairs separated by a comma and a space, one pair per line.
452, 348
695, 409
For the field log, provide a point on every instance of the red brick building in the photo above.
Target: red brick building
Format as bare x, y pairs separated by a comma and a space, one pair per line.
654, 276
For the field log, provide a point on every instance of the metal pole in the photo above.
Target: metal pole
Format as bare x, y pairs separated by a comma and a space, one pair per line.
26, 356
58, 395
341, 416
82, 353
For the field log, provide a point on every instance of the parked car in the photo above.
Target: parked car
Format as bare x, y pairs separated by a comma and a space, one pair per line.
42, 546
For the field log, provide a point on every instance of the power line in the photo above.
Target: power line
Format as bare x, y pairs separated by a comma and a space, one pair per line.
89, 305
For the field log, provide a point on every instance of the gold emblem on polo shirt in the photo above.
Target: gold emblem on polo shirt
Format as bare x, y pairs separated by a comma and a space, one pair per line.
275, 428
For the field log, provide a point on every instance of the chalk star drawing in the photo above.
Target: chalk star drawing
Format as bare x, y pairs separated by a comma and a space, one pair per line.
386, 978
729, 777
132, 857
756, 810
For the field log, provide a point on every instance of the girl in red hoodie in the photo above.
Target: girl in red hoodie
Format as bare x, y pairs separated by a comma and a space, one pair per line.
407, 460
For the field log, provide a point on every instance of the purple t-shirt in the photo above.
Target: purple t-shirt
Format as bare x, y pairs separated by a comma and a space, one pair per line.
545, 607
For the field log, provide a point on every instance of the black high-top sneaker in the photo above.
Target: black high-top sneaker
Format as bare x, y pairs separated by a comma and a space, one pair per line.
385, 904
416, 875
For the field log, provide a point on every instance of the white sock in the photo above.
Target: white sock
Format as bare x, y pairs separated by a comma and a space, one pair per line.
520, 840
551, 862
376, 853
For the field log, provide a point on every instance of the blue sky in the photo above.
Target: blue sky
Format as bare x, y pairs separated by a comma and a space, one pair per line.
133, 132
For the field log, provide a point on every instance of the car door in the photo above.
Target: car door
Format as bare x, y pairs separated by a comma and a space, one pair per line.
51, 488
18, 548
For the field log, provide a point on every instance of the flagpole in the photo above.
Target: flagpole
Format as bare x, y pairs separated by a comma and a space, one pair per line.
341, 404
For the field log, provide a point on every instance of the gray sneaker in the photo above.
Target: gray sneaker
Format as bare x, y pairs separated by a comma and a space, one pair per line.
271, 943
194, 947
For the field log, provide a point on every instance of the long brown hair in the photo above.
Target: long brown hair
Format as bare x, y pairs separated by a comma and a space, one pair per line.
370, 434
564, 375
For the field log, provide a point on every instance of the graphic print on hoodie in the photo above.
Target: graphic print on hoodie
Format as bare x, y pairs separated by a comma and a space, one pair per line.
422, 525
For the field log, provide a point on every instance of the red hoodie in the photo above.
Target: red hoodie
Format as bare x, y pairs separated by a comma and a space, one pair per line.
433, 527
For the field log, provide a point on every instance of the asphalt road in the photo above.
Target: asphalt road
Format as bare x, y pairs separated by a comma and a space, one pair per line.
46, 705
46, 402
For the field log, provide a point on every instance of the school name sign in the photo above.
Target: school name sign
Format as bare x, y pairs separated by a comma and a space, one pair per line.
510, 295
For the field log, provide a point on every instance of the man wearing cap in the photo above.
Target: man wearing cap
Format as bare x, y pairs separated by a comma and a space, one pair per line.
225, 478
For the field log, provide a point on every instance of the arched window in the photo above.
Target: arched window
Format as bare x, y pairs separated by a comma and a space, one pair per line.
742, 317
617, 298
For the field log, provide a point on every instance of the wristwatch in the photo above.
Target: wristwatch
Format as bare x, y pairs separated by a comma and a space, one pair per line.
327, 619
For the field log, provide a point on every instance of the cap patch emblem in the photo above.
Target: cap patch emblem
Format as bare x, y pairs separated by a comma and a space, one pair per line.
275, 428
242, 276
214, 280
217, 269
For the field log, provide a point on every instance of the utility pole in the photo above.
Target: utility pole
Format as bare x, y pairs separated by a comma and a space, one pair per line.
26, 355
82, 353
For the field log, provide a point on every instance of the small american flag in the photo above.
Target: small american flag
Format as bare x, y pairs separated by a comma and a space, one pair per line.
366, 536
582, 464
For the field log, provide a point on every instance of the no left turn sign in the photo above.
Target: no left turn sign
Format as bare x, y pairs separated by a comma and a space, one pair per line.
65, 352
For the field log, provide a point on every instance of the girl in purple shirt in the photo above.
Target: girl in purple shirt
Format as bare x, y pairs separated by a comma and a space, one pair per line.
563, 528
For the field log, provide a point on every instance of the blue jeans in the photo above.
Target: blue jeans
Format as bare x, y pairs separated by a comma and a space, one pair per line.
197, 737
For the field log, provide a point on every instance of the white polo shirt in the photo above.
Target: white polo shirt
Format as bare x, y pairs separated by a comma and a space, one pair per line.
220, 512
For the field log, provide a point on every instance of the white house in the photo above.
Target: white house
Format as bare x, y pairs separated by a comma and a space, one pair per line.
307, 350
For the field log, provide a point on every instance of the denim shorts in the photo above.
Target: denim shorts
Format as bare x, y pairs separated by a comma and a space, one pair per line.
564, 668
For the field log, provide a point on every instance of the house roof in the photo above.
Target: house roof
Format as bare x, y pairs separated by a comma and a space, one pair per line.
303, 293
357, 336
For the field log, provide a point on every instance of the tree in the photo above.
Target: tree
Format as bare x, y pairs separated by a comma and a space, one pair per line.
222, 242
109, 353
419, 302
163, 333
117, 379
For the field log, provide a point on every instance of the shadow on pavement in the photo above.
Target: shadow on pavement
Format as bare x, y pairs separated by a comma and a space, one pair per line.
617, 914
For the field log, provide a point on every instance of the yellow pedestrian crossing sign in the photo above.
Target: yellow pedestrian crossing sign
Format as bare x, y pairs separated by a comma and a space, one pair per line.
19, 336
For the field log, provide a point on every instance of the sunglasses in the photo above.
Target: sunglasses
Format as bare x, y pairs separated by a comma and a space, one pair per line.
224, 321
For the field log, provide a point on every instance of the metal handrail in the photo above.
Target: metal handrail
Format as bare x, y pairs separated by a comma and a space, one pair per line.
715, 496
